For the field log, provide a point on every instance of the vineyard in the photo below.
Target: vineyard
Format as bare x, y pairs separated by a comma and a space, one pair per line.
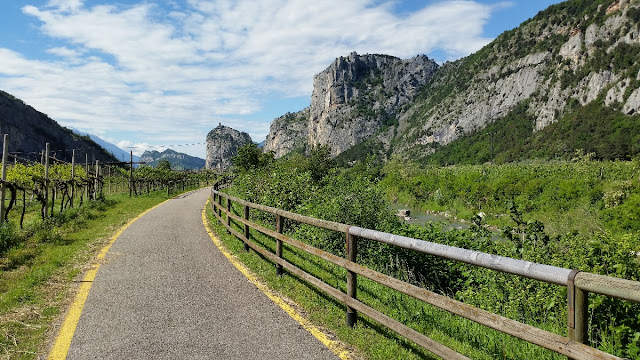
50, 187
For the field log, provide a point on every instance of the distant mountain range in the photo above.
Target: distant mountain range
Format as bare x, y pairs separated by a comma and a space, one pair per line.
118, 153
178, 161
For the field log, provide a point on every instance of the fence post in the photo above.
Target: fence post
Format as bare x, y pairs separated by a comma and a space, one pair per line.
219, 205
131, 174
86, 169
3, 187
279, 226
246, 228
577, 311
228, 211
352, 281
96, 181
73, 174
46, 179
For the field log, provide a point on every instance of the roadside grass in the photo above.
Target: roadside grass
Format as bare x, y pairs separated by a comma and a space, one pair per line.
369, 339
38, 276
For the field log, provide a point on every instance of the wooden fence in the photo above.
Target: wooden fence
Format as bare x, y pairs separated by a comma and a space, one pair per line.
579, 284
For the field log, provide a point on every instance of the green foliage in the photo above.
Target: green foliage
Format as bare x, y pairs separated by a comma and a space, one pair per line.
164, 164
251, 157
320, 162
551, 192
371, 147
7, 237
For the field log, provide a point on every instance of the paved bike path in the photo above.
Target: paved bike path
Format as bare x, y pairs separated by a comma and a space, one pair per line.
165, 291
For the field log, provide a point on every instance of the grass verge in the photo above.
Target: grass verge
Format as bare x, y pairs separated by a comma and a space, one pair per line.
38, 276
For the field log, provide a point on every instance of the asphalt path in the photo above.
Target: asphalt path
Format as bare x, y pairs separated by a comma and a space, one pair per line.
165, 291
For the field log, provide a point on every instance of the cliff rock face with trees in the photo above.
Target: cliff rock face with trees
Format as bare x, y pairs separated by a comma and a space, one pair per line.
573, 55
223, 143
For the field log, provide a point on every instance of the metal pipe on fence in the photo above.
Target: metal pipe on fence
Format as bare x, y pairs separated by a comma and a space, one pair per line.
546, 273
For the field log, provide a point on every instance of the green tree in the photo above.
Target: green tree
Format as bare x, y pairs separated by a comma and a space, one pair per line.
164, 164
251, 157
320, 162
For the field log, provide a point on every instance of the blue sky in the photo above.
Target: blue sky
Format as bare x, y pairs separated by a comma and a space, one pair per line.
149, 73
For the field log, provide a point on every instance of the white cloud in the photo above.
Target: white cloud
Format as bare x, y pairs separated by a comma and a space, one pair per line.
157, 73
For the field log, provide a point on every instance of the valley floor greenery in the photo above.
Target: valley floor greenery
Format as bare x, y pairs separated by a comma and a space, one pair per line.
581, 215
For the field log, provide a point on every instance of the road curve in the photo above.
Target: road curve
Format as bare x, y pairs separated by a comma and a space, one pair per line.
164, 291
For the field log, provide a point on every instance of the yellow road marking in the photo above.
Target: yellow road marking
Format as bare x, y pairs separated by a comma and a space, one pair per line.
334, 346
63, 340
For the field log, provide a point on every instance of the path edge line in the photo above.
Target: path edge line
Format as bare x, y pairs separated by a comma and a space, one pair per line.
62, 343
332, 345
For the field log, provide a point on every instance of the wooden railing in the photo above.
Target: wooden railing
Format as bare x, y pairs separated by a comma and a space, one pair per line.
579, 284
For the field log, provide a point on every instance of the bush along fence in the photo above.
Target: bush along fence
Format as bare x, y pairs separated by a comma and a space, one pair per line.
579, 284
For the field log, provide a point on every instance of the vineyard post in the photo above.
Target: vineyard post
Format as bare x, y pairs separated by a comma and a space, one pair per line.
131, 174
86, 169
73, 174
95, 180
5, 153
46, 178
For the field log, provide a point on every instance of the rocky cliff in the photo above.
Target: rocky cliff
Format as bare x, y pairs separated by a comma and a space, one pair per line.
287, 133
574, 54
178, 161
569, 55
223, 143
353, 99
29, 130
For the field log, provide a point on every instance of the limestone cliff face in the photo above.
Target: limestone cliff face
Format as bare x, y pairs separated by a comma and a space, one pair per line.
352, 100
288, 133
223, 143
359, 94
554, 62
